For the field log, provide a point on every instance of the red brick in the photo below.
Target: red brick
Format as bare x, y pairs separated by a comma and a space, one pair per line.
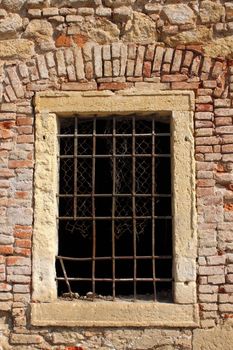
25, 139
174, 77
13, 164
185, 86
22, 234
6, 134
203, 124
17, 261
205, 183
211, 270
6, 250
22, 251
204, 107
210, 84
227, 148
229, 278
228, 206
204, 92
89, 71
5, 287
25, 130
24, 121
211, 140
22, 195
80, 39
217, 70
23, 243
147, 69
204, 192
63, 41
204, 149
223, 121
115, 86
79, 86
188, 58
196, 48
223, 112
6, 173
7, 124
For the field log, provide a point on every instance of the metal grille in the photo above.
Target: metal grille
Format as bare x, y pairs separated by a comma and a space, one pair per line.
115, 223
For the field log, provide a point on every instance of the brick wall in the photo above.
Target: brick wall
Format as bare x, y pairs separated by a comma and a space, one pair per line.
115, 45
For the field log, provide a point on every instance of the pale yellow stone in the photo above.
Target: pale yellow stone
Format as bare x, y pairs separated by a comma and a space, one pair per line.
220, 47
10, 26
178, 13
99, 30
16, 49
199, 35
13, 5
40, 31
185, 293
140, 29
118, 3
211, 11
213, 339
176, 105
116, 314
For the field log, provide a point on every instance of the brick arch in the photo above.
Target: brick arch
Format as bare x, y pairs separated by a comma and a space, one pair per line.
114, 67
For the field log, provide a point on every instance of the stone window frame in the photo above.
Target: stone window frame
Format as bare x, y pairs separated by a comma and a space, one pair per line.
46, 308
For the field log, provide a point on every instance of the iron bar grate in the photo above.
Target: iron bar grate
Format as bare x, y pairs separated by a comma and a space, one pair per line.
115, 221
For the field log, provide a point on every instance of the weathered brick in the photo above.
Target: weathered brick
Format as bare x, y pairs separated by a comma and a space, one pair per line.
139, 61
79, 86
185, 85
98, 61
26, 339
188, 59
60, 63
159, 52
115, 86
216, 260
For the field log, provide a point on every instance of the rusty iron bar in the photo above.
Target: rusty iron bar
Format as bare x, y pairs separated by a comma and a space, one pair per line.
116, 279
101, 156
129, 257
110, 217
153, 209
93, 209
162, 195
113, 208
65, 277
134, 155
110, 135
134, 213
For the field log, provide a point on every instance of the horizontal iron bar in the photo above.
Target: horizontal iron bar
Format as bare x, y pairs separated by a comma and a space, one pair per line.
159, 257
112, 217
116, 279
137, 155
163, 134
162, 195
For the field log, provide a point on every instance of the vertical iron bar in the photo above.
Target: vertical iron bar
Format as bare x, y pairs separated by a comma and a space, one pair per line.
93, 209
75, 164
65, 276
113, 208
153, 207
134, 210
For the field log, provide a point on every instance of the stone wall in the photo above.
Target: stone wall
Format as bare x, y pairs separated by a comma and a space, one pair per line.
82, 45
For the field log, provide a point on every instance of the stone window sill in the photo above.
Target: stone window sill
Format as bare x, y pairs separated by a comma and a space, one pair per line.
113, 314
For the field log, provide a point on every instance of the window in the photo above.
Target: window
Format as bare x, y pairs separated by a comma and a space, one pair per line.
115, 223
170, 116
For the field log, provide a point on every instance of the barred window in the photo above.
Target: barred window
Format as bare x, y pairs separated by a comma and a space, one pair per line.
115, 217
114, 210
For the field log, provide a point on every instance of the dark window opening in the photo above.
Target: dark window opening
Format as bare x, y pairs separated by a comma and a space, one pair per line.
115, 219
